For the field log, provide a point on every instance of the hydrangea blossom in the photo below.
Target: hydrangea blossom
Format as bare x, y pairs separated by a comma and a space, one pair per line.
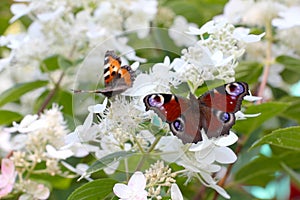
135, 188
7, 177
177, 32
200, 158
39, 140
214, 57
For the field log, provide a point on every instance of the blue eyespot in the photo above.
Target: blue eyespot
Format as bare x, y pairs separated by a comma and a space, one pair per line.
225, 117
156, 100
178, 125
235, 89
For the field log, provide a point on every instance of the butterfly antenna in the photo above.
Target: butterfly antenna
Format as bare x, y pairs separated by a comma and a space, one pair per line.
85, 91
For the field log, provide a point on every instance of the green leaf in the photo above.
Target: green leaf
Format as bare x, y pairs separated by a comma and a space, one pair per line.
289, 62
107, 160
288, 138
50, 64
196, 11
292, 112
56, 181
248, 72
7, 117
266, 110
64, 63
62, 97
258, 171
261, 170
14, 93
294, 176
95, 190
292, 68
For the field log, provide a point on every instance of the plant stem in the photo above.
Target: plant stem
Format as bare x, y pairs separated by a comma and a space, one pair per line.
268, 61
51, 94
141, 162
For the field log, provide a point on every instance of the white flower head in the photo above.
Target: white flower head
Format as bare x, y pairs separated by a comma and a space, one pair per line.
288, 18
134, 190
177, 32
159, 79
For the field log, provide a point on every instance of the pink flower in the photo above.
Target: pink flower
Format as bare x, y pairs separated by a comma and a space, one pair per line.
7, 177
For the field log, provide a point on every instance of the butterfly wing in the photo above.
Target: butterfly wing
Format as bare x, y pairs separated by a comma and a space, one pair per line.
217, 107
117, 78
182, 114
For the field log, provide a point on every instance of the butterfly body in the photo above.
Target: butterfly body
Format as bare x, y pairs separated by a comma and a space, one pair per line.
213, 111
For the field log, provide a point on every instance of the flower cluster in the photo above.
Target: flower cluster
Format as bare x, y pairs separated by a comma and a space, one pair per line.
67, 31
279, 19
36, 144
215, 55
141, 186
72, 28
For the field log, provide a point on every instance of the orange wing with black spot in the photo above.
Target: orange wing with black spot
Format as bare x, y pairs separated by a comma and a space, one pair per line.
117, 78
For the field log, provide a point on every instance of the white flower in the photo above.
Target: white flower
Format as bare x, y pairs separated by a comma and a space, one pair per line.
175, 192
80, 169
34, 190
288, 18
200, 158
135, 190
261, 12
234, 10
143, 11
59, 154
215, 149
214, 56
242, 34
158, 80
28, 124
177, 32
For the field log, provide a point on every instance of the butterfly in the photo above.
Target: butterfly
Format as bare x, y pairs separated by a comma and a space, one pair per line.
117, 78
213, 111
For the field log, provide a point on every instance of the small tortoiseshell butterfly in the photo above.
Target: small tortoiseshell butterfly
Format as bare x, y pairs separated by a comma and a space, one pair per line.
117, 78
213, 111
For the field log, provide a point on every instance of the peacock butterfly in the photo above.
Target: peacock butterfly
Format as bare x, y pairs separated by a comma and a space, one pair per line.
117, 78
213, 111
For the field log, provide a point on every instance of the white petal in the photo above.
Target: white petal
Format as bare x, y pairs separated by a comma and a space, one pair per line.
240, 115
225, 155
18, 10
98, 108
137, 181
175, 192
220, 190
227, 140
121, 190
207, 157
252, 98
194, 31
60, 154
41, 192
134, 66
167, 61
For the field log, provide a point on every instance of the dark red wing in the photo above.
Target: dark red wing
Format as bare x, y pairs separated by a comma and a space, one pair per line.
226, 98
216, 123
182, 114
167, 106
